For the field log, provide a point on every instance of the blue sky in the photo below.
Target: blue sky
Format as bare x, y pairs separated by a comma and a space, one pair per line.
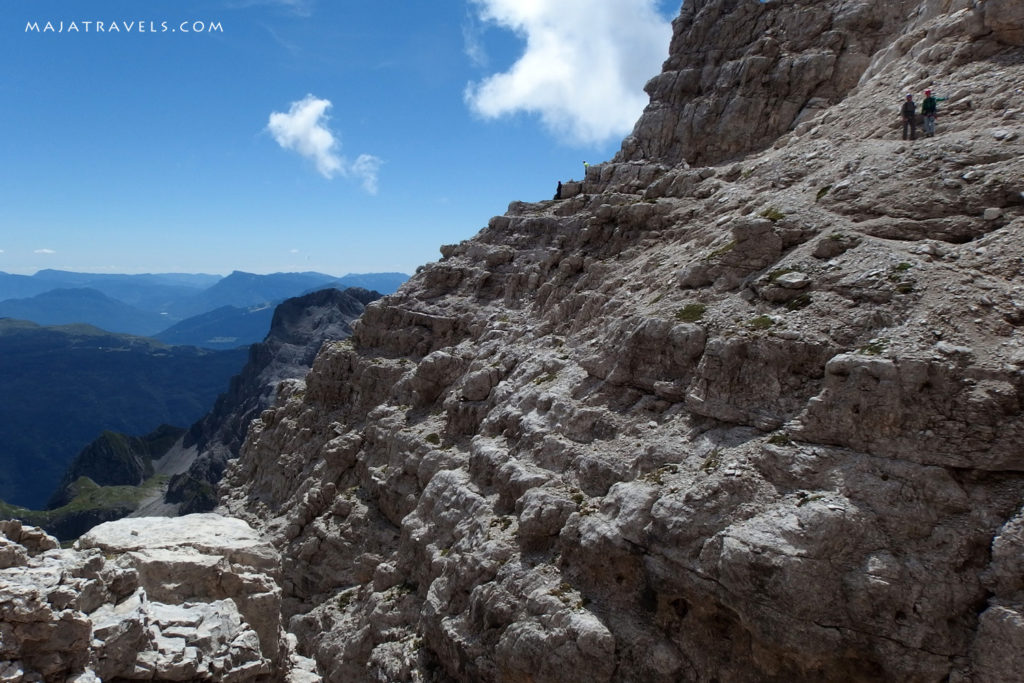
331, 135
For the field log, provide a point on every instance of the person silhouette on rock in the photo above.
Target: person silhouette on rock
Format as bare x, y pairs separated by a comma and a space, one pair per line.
909, 113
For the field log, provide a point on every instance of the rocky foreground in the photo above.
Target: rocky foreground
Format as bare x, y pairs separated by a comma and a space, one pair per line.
748, 407
174, 599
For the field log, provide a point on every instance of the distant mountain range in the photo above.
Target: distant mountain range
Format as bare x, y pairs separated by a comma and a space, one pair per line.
201, 310
90, 306
61, 386
169, 469
77, 356
148, 292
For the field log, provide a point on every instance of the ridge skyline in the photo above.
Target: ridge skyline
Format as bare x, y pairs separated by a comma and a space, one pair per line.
306, 136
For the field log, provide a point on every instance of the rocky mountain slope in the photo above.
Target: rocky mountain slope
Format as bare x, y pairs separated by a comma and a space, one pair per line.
748, 407
299, 327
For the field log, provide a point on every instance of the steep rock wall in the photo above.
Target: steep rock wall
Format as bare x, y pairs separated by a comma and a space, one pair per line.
299, 327
743, 72
753, 421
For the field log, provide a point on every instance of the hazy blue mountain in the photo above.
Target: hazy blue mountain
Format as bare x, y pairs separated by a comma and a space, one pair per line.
174, 296
243, 290
61, 386
385, 283
149, 292
21, 286
71, 306
188, 280
226, 327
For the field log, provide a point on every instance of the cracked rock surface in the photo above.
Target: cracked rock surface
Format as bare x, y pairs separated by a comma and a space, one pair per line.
193, 598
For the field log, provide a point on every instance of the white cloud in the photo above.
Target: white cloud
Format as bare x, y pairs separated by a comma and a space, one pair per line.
583, 68
45, 251
304, 130
365, 168
472, 39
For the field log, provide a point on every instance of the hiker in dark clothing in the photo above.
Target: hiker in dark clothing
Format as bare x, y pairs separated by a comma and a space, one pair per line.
558, 190
909, 112
929, 108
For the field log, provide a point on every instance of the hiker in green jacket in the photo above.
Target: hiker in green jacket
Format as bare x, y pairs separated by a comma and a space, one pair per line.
929, 108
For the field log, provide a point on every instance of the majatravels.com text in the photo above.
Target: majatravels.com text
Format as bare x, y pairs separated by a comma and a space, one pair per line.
124, 27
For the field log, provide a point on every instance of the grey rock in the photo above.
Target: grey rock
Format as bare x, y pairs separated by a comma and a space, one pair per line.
793, 280
202, 556
187, 599
710, 105
571, 189
472, 489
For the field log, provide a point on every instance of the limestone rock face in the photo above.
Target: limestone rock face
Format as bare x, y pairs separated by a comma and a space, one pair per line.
192, 598
202, 557
1005, 19
300, 325
748, 407
741, 72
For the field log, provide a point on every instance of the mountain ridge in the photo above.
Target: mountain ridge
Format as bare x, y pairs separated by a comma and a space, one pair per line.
299, 327
168, 304
67, 306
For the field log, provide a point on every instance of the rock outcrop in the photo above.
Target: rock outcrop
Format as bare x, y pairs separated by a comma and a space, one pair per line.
749, 407
299, 327
191, 598
740, 73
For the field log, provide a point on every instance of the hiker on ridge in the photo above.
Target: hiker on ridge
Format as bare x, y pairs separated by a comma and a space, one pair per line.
929, 108
909, 113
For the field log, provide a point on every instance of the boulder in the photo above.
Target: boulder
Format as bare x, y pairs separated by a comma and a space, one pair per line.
193, 598
200, 557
